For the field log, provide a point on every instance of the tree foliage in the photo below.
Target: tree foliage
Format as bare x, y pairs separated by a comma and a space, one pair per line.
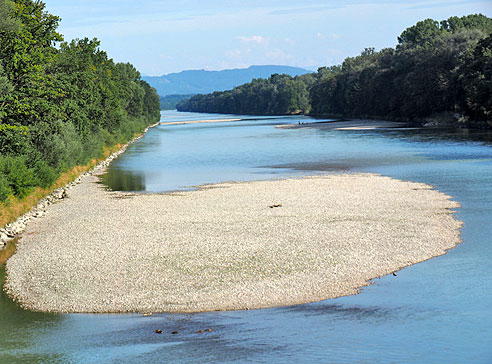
279, 94
59, 106
169, 102
7, 21
476, 83
437, 69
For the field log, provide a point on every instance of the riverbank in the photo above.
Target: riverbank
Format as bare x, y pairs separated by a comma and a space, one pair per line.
227, 246
15, 216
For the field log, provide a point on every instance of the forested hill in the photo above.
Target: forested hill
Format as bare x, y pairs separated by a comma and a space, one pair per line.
438, 71
202, 81
61, 103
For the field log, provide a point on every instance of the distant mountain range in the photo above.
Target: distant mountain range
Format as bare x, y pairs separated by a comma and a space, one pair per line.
202, 81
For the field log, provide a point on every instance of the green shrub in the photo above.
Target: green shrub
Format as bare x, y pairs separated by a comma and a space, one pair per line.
60, 148
54, 151
108, 138
5, 190
74, 150
20, 178
93, 146
13, 139
45, 175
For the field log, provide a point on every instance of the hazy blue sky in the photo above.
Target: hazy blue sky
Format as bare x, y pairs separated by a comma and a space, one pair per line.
161, 36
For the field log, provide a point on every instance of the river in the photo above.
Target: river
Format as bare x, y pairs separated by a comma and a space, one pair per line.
438, 311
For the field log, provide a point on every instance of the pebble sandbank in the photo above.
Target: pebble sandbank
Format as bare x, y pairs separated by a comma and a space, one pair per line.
356, 124
198, 121
226, 246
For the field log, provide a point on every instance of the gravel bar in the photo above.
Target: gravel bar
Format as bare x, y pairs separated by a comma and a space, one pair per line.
356, 124
226, 246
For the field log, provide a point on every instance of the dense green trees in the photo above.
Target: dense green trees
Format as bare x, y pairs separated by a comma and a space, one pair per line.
279, 94
417, 80
475, 81
438, 70
60, 106
169, 102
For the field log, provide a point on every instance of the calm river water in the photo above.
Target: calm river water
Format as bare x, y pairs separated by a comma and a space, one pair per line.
438, 311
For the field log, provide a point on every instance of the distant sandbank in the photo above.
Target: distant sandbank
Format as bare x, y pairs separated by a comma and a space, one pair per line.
197, 121
226, 246
356, 124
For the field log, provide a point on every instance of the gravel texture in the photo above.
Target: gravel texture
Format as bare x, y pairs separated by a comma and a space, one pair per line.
226, 246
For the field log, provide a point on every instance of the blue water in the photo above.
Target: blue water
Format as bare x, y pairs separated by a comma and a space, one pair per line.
438, 311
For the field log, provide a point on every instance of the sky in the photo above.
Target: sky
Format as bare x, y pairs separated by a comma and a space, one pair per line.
161, 36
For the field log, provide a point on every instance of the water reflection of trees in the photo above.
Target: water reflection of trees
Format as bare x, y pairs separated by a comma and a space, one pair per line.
121, 180
437, 134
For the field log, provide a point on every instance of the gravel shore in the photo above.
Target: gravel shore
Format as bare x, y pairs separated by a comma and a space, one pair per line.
226, 246
198, 121
356, 124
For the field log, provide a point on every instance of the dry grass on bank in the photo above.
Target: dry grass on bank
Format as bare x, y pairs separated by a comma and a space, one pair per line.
8, 251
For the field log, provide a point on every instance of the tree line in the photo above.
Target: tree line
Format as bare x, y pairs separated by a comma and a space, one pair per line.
437, 71
61, 102
169, 102
279, 94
